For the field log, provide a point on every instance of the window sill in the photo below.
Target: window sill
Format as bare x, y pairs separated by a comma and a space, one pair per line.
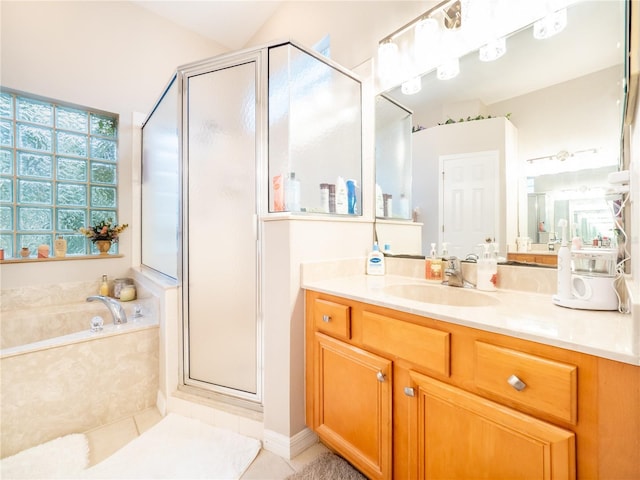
60, 259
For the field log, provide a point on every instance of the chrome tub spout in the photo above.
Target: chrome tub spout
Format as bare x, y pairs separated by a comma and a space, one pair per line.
117, 312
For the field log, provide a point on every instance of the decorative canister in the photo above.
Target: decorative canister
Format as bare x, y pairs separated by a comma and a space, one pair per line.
118, 284
128, 293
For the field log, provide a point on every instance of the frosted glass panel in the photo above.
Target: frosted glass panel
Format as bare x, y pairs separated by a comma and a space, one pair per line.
314, 125
222, 249
161, 186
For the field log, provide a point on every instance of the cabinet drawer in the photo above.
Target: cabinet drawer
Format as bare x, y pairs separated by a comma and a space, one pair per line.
421, 345
332, 318
546, 386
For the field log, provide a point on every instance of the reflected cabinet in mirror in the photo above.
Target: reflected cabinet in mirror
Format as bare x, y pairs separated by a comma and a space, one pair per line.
513, 129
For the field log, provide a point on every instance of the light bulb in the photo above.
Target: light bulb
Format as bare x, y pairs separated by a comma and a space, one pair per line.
412, 86
493, 50
449, 69
550, 25
388, 59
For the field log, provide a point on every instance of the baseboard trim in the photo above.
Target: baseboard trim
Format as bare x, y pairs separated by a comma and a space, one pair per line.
288, 447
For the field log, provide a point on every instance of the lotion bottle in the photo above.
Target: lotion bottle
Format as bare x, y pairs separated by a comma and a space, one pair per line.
375, 261
564, 265
60, 246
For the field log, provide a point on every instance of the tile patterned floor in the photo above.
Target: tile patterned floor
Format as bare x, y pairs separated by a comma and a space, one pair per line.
106, 440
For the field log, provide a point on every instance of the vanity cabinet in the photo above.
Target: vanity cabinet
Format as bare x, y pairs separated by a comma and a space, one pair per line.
405, 396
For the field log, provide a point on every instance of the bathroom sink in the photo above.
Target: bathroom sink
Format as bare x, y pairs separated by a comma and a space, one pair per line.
441, 295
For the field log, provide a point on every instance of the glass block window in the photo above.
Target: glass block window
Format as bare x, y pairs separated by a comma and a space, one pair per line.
58, 172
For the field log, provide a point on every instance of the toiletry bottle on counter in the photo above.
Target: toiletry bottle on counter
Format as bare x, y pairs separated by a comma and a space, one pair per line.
324, 197
104, 286
564, 265
428, 272
379, 202
278, 194
487, 270
341, 196
292, 193
351, 197
375, 261
60, 246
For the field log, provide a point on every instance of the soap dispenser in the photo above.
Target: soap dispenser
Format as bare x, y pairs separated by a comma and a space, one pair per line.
436, 264
487, 270
428, 262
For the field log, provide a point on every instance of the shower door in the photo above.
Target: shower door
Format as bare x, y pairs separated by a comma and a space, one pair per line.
222, 348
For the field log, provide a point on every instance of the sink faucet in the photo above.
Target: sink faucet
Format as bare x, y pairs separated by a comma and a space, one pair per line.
117, 312
453, 274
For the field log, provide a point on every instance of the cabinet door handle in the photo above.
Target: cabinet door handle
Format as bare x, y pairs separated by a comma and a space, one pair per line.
380, 376
516, 383
409, 392
326, 318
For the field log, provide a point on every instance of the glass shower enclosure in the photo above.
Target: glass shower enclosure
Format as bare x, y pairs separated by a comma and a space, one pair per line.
219, 132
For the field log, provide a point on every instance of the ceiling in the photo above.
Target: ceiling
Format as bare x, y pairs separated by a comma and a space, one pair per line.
231, 23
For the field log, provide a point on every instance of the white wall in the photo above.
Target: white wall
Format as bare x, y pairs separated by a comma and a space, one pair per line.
355, 27
112, 56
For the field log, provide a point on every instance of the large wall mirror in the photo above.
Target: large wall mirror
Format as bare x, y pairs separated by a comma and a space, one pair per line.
557, 107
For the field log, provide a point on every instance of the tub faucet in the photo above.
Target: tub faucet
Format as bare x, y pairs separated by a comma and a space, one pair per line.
117, 312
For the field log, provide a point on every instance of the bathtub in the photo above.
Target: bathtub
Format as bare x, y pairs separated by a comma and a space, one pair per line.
58, 377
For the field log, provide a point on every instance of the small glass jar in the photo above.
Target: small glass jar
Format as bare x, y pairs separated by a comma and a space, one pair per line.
119, 284
128, 293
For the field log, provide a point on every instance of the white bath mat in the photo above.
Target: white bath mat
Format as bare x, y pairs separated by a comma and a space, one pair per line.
63, 457
180, 447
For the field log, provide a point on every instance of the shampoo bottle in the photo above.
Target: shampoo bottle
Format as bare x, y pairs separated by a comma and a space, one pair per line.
341, 196
564, 265
351, 197
375, 261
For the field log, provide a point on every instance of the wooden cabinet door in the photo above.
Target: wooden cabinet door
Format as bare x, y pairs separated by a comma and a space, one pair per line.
352, 404
464, 436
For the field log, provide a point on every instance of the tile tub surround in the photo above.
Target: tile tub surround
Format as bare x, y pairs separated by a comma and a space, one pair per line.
522, 314
70, 379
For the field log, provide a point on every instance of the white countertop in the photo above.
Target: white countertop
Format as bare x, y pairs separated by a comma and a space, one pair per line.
530, 316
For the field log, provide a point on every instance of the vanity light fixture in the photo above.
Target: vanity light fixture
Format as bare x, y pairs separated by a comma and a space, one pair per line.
412, 86
493, 50
449, 69
388, 58
550, 25
426, 37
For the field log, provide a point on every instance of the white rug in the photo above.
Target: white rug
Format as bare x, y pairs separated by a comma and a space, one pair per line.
179, 447
63, 457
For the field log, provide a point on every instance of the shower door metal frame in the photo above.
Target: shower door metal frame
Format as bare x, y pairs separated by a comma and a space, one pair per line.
259, 57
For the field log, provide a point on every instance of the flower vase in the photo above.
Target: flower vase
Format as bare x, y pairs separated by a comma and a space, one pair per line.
103, 246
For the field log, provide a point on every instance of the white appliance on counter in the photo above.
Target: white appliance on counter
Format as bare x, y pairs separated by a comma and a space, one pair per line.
593, 277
